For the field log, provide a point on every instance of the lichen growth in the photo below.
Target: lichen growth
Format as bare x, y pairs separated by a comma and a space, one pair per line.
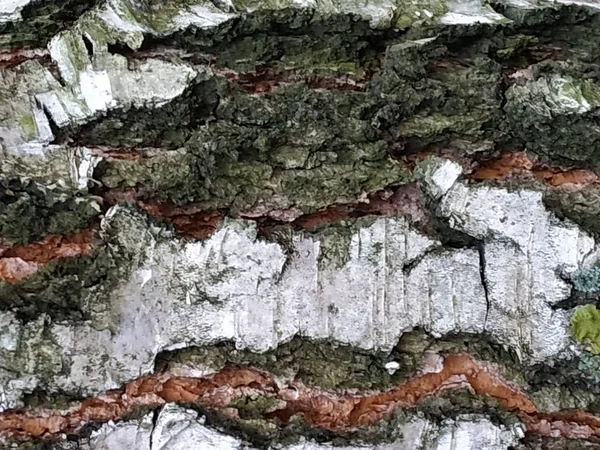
322, 363
585, 326
292, 148
335, 245
254, 407
561, 109
587, 280
589, 365
581, 206
549, 399
332, 366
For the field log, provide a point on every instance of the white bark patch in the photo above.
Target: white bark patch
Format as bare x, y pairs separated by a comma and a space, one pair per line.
10, 10
526, 250
467, 12
183, 429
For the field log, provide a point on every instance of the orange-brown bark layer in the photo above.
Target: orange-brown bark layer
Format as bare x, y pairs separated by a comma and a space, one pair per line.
189, 221
406, 199
21, 261
194, 222
514, 164
330, 410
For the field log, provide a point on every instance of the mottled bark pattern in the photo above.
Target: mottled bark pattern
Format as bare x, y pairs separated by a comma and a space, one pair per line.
299, 224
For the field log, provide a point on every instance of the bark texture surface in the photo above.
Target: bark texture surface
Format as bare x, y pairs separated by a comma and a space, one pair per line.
299, 224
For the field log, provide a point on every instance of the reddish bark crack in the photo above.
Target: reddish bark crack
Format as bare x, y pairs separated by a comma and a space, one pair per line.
21, 261
516, 164
11, 59
189, 221
407, 200
267, 80
195, 222
511, 166
336, 411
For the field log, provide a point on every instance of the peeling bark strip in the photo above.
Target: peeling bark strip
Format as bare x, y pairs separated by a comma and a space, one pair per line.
19, 262
320, 408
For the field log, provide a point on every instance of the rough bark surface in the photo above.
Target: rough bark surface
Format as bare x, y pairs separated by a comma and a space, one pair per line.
299, 224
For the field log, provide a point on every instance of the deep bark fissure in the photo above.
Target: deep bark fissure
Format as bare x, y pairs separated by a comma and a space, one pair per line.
482, 268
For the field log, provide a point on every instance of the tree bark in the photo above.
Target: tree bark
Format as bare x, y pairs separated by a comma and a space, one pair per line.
300, 225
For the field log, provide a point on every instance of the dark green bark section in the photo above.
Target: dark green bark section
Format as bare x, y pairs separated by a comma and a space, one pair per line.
68, 289
295, 147
41, 20
238, 149
30, 210
582, 207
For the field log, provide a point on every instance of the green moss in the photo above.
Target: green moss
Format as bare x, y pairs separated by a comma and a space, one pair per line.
28, 127
254, 408
585, 326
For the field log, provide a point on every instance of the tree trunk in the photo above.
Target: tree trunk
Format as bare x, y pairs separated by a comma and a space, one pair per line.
299, 224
